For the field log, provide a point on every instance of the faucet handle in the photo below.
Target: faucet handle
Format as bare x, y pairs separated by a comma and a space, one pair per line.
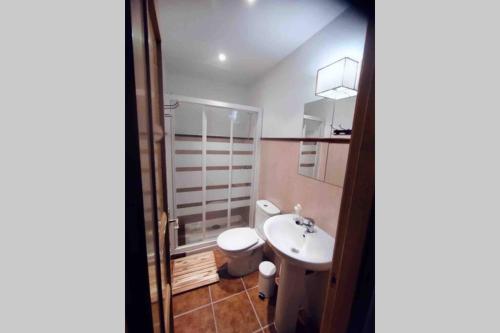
308, 222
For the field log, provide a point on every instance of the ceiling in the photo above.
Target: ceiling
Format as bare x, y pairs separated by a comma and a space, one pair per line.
254, 37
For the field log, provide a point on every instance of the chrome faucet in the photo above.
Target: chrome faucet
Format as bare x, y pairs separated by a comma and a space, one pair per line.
309, 224
305, 222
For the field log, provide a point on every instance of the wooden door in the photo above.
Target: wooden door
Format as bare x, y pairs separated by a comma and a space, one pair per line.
148, 105
357, 206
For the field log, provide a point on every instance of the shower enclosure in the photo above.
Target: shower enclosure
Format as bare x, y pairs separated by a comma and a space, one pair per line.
211, 168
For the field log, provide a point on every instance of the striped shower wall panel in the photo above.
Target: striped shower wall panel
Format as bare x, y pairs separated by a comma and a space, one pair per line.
188, 196
308, 158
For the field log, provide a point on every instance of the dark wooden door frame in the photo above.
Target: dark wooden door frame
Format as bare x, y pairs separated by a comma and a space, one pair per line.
147, 8
138, 315
358, 200
166, 249
157, 38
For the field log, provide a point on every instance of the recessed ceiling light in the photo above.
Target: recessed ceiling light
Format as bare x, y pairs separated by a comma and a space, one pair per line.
222, 57
251, 1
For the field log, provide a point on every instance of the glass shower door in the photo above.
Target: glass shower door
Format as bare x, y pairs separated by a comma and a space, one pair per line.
242, 162
218, 173
187, 173
213, 159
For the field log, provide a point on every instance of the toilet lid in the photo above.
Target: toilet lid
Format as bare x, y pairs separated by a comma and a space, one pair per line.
237, 239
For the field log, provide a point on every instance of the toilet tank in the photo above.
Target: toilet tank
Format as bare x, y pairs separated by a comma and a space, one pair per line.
264, 209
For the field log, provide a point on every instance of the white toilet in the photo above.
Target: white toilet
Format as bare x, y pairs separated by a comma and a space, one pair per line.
244, 246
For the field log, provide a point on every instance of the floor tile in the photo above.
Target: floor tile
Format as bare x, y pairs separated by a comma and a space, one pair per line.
190, 300
265, 308
220, 258
251, 280
226, 286
270, 329
201, 320
235, 315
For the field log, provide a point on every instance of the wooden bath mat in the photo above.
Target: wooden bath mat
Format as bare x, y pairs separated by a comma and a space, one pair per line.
194, 271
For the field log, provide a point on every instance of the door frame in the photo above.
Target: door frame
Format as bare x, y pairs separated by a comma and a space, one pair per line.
357, 209
166, 309
173, 99
138, 313
150, 12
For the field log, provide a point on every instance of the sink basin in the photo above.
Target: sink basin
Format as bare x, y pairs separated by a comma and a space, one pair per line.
311, 251
300, 251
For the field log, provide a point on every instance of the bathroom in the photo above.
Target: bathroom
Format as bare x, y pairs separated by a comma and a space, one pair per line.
208, 166
250, 149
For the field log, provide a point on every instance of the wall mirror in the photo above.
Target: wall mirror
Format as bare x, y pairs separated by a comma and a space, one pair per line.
324, 161
343, 114
326, 119
318, 118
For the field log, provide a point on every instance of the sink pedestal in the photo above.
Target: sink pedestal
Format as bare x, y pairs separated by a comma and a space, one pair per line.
299, 251
290, 292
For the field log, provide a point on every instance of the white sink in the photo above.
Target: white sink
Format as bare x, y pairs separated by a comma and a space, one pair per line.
300, 251
311, 251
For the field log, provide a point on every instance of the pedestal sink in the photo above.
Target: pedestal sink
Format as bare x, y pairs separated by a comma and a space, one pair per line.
299, 251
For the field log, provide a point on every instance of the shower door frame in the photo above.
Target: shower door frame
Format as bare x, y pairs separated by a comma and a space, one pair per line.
173, 223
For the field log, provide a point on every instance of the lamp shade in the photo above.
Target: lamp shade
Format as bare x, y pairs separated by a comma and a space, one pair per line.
338, 80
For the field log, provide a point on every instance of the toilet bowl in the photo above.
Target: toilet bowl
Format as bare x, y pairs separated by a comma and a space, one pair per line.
244, 246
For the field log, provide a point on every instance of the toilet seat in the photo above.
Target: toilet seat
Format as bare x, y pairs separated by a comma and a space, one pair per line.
237, 239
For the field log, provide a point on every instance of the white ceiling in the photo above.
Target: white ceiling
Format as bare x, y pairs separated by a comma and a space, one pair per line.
254, 37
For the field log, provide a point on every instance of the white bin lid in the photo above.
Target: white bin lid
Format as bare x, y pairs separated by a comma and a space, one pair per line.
268, 207
237, 239
267, 268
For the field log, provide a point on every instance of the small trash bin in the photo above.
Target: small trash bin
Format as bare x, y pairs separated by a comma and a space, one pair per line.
267, 272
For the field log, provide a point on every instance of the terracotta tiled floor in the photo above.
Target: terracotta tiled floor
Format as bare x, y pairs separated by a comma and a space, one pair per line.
220, 258
200, 320
251, 280
235, 314
231, 305
226, 286
264, 308
270, 329
190, 300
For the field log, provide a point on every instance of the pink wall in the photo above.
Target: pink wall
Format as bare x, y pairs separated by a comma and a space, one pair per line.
280, 183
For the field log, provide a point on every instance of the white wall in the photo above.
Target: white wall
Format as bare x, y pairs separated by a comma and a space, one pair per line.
283, 92
344, 112
174, 83
322, 109
189, 115
188, 120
